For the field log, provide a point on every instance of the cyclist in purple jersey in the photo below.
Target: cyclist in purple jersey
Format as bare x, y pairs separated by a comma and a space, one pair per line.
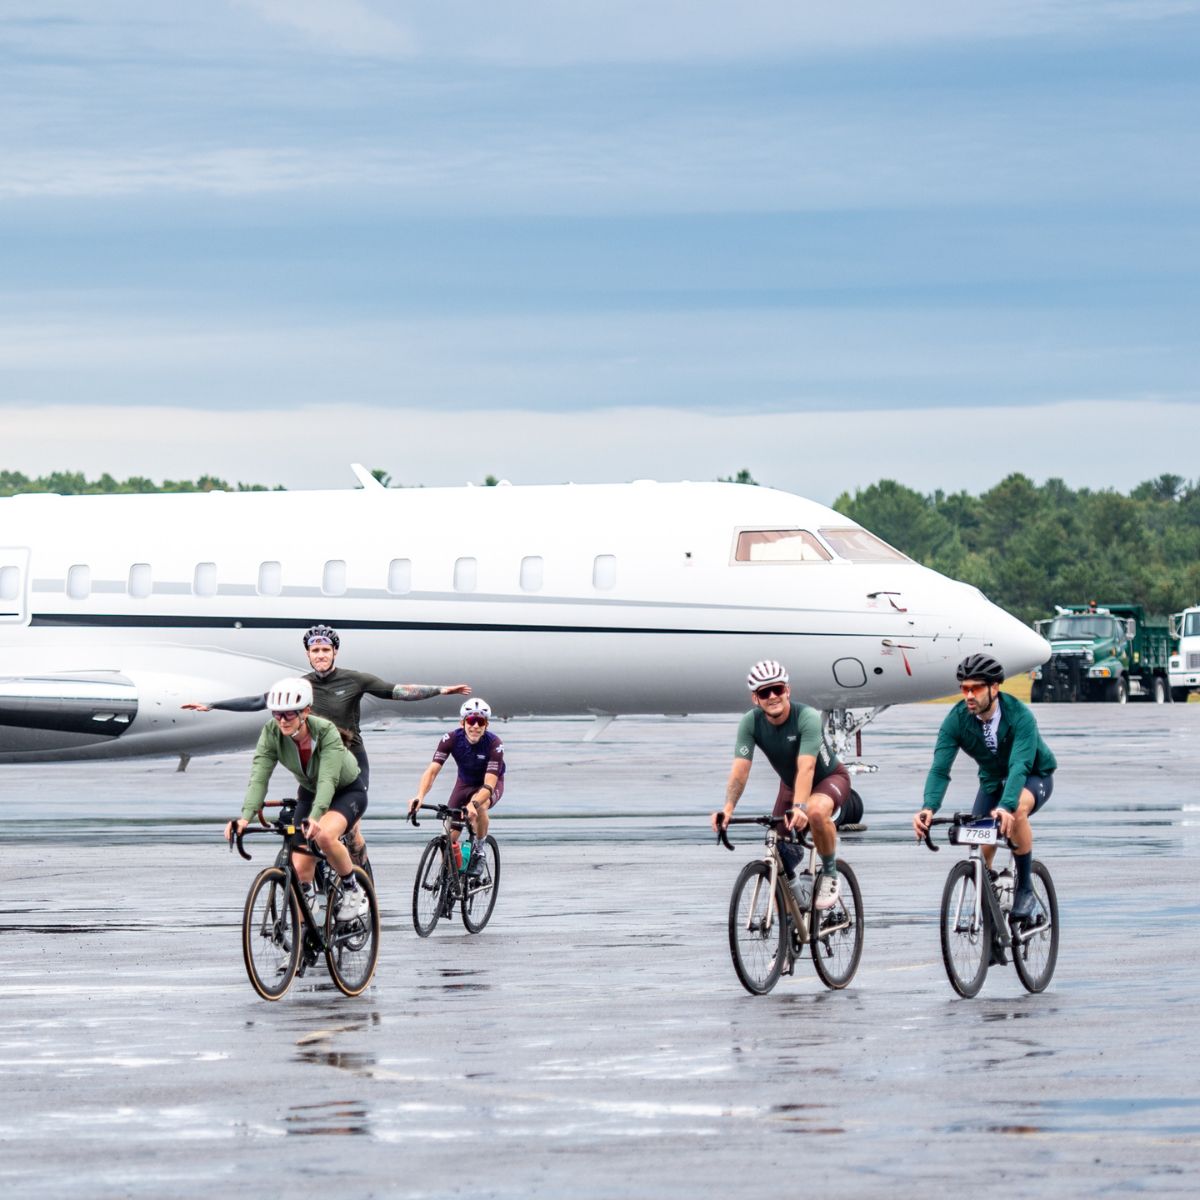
479, 756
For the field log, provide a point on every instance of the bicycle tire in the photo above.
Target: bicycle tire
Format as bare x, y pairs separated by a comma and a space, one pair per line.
759, 951
1036, 953
352, 947
836, 954
271, 934
480, 892
966, 951
429, 887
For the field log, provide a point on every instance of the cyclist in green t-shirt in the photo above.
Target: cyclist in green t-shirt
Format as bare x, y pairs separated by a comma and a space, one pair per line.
813, 783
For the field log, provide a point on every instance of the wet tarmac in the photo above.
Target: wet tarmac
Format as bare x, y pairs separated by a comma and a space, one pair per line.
593, 1040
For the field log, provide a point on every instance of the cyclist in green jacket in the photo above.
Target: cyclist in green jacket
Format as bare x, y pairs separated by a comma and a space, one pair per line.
331, 796
1016, 767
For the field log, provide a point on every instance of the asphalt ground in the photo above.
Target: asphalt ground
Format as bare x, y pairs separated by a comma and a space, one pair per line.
593, 1040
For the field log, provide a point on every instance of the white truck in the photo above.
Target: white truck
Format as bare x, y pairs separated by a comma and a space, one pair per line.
1183, 671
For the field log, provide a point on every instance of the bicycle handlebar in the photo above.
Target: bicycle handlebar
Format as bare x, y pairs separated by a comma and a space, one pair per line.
442, 810
800, 835
957, 819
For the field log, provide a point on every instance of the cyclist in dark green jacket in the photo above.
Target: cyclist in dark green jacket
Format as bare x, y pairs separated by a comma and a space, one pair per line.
1016, 767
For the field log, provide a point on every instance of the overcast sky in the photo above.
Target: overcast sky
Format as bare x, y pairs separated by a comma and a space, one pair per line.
601, 240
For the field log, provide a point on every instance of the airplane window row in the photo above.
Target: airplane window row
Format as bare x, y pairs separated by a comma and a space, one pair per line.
465, 577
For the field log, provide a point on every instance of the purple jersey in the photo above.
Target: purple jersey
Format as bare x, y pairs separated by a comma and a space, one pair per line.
486, 757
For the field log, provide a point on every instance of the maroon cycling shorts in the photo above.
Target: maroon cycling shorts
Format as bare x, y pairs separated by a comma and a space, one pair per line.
836, 785
463, 791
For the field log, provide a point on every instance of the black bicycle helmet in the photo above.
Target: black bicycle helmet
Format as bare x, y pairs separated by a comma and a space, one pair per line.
323, 632
980, 666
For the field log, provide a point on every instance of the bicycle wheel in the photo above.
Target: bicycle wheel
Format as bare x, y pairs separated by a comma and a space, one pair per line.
429, 887
966, 938
352, 947
1035, 945
757, 929
838, 933
271, 934
481, 890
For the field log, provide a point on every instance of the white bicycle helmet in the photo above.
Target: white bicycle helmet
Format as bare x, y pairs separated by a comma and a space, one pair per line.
475, 708
289, 694
764, 673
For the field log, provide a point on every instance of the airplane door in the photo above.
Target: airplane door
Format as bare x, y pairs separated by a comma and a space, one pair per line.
14, 571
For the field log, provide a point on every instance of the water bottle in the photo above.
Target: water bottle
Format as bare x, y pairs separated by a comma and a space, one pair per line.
465, 855
458, 855
802, 889
1003, 883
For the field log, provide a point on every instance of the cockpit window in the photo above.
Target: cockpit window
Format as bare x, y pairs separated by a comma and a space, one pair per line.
779, 546
859, 546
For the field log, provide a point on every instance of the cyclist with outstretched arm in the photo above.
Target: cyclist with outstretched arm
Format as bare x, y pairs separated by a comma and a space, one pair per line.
337, 697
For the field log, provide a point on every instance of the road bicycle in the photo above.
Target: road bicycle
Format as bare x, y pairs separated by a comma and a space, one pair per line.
769, 927
443, 881
977, 925
283, 933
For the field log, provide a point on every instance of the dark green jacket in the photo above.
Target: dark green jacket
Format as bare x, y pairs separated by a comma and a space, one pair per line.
1019, 752
330, 767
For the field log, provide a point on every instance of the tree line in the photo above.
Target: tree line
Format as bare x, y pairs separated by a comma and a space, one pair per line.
1028, 546
75, 483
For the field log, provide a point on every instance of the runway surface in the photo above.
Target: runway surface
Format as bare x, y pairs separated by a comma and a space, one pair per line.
593, 1040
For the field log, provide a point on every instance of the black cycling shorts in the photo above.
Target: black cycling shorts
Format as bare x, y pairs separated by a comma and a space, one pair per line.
349, 802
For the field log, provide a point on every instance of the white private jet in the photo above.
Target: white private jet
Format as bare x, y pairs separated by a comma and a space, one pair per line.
590, 599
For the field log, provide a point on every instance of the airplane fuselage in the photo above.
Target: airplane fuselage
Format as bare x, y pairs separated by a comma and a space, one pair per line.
601, 599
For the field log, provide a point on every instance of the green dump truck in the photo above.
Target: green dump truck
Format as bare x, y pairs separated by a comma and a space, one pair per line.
1103, 652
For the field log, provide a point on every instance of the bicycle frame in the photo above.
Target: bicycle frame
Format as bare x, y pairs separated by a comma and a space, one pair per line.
774, 863
293, 843
983, 895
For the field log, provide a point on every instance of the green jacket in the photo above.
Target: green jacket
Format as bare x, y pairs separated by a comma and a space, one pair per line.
331, 766
1019, 752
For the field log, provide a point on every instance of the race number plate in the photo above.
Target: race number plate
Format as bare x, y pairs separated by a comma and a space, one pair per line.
976, 835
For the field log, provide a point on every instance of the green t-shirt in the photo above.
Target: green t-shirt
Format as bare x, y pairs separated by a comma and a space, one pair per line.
783, 744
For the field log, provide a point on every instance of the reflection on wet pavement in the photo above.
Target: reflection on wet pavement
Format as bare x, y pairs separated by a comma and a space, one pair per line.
593, 1040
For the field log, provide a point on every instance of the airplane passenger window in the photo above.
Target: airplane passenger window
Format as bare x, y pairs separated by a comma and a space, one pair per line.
139, 580
531, 574
9, 583
333, 581
204, 581
79, 582
604, 572
464, 574
400, 576
270, 579
779, 546
859, 546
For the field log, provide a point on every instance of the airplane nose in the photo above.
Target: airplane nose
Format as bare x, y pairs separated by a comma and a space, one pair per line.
1017, 646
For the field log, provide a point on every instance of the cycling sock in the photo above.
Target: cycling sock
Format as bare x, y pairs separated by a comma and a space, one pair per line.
349, 883
1024, 869
829, 865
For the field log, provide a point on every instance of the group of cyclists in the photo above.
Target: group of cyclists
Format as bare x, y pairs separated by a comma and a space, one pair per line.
314, 732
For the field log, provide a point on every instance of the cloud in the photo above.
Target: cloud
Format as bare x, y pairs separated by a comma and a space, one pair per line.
345, 26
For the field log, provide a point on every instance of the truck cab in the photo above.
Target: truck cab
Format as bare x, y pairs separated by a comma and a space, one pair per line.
1184, 670
1105, 652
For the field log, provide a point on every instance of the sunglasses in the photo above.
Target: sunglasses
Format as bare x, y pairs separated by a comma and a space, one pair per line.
290, 715
769, 693
473, 720
974, 689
